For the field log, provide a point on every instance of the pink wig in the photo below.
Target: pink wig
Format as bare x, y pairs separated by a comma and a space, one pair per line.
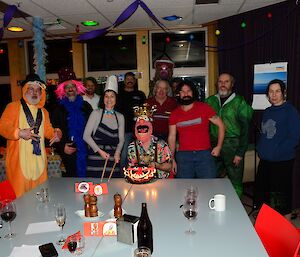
60, 91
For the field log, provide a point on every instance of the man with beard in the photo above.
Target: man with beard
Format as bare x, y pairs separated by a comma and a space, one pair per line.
191, 120
90, 96
71, 116
148, 150
25, 124
236, 114
129, 97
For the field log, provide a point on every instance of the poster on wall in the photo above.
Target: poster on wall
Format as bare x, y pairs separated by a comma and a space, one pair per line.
263, 74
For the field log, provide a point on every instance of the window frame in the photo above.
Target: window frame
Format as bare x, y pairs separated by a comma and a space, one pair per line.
184, 71
99, 73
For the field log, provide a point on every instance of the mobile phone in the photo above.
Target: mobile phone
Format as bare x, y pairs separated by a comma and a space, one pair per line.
48, 250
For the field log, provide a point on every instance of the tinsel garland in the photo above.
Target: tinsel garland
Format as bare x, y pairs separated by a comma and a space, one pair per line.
39, 57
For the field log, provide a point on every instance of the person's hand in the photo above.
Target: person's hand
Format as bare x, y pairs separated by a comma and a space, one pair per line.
57, 136
216, 151
236, 160
28, 134
104, 154
152, 165
174, 167
117, 157
69, 149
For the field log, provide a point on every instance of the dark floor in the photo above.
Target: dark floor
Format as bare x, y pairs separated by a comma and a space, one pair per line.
248, 204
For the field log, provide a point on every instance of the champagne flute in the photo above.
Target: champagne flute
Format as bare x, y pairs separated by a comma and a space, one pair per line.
190, 211
60, 217
192, 192
8, 214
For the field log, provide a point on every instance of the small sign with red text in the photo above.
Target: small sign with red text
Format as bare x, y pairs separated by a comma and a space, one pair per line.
101, 228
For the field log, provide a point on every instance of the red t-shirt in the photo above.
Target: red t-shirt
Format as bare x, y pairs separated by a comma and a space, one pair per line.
193, 126
161, 115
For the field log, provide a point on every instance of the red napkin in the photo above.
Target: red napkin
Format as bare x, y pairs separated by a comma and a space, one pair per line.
77, 234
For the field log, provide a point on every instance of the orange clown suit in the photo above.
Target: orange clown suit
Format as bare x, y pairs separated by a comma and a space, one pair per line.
25, 170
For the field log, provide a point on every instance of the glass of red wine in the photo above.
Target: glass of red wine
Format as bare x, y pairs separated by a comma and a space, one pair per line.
72, 245
76, 244
190, 211
8, 213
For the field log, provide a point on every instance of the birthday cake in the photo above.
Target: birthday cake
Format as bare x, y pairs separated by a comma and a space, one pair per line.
139, 174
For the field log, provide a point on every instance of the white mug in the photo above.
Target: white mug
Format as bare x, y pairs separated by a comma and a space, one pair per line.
217, 203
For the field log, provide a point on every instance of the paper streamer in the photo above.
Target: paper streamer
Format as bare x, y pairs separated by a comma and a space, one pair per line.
125, 15
8, 15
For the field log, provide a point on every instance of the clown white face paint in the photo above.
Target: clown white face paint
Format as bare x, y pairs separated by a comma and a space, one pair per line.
143, 129
33, 94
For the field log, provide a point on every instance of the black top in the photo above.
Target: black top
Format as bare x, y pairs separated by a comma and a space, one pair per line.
126, 102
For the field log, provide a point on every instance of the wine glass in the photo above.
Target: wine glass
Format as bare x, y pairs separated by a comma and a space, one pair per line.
190, 211
76, 244
72, 245
192, 192
60, 217
8, 214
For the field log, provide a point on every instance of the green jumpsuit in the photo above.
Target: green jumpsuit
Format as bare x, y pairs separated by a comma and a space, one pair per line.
236, 115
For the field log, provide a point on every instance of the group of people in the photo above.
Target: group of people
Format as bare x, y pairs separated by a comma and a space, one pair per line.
179, 136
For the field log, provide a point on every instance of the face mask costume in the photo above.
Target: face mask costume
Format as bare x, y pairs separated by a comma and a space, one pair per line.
163, 69
141, 173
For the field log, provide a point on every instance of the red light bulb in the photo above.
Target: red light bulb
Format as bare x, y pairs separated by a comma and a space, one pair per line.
269, 15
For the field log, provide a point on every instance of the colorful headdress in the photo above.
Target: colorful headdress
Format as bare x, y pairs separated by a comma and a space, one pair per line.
34, 79
144, 112
65, 75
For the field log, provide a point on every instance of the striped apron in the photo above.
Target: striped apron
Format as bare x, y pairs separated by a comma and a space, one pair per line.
107, 139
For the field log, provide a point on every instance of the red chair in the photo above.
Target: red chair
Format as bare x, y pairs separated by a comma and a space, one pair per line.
6, 191
297, 252
279, 237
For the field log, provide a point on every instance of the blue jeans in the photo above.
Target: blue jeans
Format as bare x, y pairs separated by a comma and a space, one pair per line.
128, 139
195, 164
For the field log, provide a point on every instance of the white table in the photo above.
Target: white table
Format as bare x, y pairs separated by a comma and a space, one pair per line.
227, 234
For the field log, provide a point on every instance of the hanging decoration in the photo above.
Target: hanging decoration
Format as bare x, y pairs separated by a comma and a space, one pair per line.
168, 40
8, 15
217, 32
144, 40
39, 48
120, 37
126, 14
269, 15
243, 25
